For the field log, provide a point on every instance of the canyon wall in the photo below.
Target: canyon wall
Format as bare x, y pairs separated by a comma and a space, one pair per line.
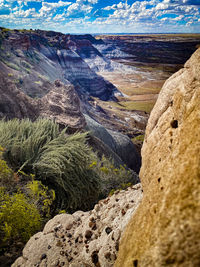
34, 59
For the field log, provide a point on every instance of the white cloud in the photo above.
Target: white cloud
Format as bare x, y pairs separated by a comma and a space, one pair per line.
179, 18
48, 8
25, 13
80, 14
113, 7
59, 17
80, 8
162, 6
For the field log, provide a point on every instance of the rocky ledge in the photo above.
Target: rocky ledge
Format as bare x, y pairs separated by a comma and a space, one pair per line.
84, 239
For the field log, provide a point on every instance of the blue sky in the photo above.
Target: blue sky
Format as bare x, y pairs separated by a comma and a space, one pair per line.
102, 16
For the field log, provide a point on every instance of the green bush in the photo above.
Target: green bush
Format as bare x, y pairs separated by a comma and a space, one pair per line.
64, 163
25, 206
139, 138
112, 178
59, 160
19, 219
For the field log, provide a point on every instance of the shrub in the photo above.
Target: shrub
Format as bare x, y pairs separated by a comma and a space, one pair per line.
113, 178
24, 206
19, 219
138, 138
41, 197
59, 160
6, 174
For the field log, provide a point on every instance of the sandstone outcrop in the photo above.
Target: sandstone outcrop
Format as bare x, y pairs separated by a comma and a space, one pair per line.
85, 239
164, 231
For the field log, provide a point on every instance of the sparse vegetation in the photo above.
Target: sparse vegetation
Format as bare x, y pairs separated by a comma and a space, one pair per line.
139, 138
112, 177
135, 105
12, 65
122, 187
38, 82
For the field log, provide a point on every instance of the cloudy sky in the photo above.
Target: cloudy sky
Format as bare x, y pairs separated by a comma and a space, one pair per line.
102, 16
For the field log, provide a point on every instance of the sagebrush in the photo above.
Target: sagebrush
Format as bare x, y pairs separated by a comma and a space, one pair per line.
59, 160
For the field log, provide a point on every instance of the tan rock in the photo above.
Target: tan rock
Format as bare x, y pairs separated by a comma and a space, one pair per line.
72, 240
165, 230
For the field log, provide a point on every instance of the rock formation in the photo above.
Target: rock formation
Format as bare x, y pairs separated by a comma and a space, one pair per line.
83, 238
34, 59
164, 231
63, 105
60, 104
13, 103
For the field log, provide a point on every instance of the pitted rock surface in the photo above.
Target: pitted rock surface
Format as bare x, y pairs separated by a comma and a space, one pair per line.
164, 231
84, 239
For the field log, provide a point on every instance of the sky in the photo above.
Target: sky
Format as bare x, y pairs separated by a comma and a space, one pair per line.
102, 16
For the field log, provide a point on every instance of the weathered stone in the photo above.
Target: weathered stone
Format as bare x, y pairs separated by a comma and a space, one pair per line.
81, 246
165, 229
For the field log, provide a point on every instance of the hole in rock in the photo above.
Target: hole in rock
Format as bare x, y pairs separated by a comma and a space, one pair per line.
174, 124
135, 263
95, 257
159, 179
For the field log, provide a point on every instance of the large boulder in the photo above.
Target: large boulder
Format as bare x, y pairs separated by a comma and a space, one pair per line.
165, 229
86, 239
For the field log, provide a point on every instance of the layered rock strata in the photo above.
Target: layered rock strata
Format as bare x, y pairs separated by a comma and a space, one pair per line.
165, 229
40, 57
121, 145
